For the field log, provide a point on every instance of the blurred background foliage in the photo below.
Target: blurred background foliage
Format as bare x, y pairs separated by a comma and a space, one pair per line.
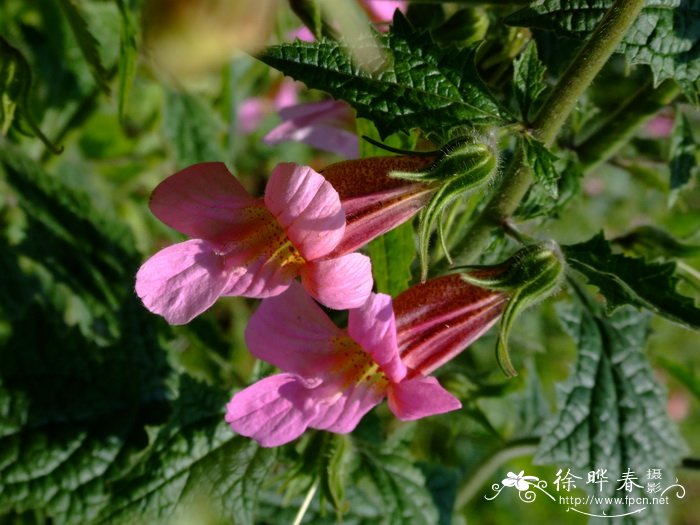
108, 415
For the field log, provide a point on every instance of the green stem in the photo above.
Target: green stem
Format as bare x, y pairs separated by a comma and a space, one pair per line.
484, 472
549, 120
617, 129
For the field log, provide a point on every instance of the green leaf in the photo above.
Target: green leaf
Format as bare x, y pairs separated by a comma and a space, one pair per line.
612, 412
683, 151
629, 280
391, 482
664, 35
128, 53
86, 41
541, 161
418, 85
528, 79
82, 370
193, 129
195, 459
392, 255
539, 202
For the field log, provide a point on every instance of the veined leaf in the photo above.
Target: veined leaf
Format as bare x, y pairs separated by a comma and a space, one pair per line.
528, 79
392, 483
629, 280
612, 412
82, 370
541, 161
664, 35
418, 85
86, 41
195, 459
683, 151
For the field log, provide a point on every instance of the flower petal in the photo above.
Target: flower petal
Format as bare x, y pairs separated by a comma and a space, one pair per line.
293, 333
182, 280
201, 201
260, 278
373, 326
420, 397
273, 411
339, 283
307, 207
325, 125
341, 413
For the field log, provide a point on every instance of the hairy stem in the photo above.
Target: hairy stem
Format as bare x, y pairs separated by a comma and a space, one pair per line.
549, 120
616, 130
485, 471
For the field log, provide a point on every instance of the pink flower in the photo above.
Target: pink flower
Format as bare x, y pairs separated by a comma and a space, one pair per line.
383, 10
249, 247
253, 110
331, 377
327, 125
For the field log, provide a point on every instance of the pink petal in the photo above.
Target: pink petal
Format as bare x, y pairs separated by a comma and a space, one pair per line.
307, 207
293, 333
250, 114
383, 10
287, 94
341, 412
273, 411
339, 283
373, 326
303, 33
260, 278
202, 201
420, 397
182, 280
327, 125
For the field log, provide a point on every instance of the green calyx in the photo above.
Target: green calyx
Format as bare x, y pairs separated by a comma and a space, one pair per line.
528, 277
464, 164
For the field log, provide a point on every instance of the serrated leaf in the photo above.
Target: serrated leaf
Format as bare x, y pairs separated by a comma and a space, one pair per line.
528, 79
683, 151
538, 202
419, 84
77, 383
629, 280
193, 129
392, 483
194, 459
664, 35
86, 41
612, 412
541, 161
